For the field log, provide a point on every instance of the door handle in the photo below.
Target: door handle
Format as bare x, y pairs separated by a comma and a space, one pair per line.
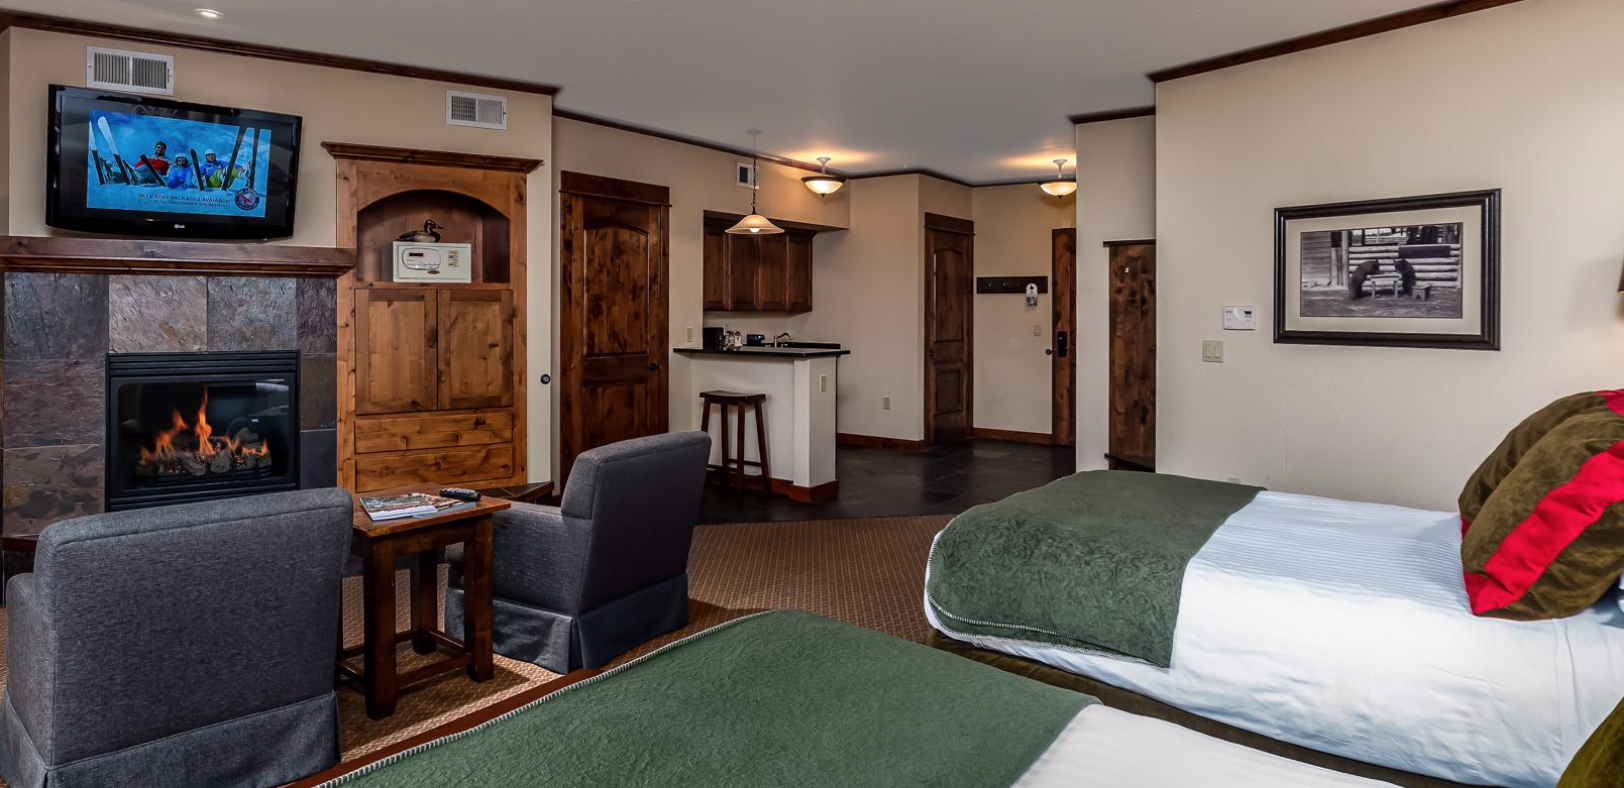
654, 366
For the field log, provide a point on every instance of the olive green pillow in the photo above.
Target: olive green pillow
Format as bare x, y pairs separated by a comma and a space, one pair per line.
1498, 464
1600, 763
1549, 541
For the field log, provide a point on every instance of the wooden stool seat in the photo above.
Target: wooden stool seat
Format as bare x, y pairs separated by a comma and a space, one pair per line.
736, 464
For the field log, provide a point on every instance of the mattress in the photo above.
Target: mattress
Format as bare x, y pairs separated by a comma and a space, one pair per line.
1344, 627
1107, 748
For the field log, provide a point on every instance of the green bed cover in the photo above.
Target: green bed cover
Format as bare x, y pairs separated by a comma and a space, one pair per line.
1093, 561
782, 698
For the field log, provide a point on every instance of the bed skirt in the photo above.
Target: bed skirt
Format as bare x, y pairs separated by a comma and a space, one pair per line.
1133, 702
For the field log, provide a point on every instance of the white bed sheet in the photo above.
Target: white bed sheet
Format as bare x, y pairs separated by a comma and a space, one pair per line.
1107, 748
1344, 627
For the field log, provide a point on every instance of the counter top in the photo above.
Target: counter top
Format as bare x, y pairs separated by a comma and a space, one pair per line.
770, 352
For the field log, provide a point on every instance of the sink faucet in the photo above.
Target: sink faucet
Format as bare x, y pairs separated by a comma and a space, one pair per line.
781, 338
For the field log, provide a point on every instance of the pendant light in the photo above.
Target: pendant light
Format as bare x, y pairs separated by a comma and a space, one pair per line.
755, 223
1061, 185
824, 184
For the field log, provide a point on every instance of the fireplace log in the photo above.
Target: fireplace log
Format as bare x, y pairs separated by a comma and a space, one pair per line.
192, 465
221, 461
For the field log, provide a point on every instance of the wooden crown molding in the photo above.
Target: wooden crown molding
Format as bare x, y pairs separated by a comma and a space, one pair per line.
440, 158
1129, 242
1113, 114
73, 255
581, 117
613, 188
928, 173
58, 24
1369, 27
949, 224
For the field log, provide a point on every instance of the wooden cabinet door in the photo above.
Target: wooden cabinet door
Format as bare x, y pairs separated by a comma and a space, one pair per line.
715, 267
772, 285
395, 354
1133, 352
476, 349
798, 273
743, 258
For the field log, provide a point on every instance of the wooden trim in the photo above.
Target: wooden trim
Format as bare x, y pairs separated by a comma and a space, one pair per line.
78, 27
440, 158
928, 173
463, 723
1337, 35
72, 255
828, 491
877, 442
950, 224
1112, 114
1013, 436
613, 189
671, 136
1063, 356
1130, 242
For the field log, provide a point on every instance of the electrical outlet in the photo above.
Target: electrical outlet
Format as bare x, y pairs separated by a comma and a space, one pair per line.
823, 383
885, 403
690, 335
1212, 350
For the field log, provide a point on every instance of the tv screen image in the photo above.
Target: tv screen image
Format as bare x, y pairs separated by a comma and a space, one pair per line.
136, 165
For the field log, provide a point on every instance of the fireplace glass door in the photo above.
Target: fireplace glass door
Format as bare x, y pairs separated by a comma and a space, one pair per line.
196, 426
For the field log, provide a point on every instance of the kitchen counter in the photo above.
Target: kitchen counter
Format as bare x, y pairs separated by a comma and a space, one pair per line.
763, 350
800, 409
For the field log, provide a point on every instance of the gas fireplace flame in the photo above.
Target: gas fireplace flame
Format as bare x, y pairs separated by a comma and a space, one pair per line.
204, 453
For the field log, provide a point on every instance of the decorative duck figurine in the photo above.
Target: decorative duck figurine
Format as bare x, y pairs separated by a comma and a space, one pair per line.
427, 235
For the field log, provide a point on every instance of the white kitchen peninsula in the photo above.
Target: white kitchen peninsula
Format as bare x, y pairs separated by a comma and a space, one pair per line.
800, 410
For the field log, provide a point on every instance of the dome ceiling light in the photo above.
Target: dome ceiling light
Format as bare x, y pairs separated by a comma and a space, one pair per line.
824, 184
1061, 185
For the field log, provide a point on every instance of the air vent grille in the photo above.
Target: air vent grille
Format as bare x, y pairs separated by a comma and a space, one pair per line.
136, 72
475, 109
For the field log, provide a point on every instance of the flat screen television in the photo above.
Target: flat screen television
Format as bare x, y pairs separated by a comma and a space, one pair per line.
136, 165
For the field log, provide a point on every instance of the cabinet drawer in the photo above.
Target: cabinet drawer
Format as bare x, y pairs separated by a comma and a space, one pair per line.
432, 432
455, 466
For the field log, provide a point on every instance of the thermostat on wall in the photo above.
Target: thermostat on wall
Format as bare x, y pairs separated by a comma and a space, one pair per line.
1240, 318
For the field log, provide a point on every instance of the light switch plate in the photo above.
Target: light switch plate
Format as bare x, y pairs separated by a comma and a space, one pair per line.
1240, 318
1212, 350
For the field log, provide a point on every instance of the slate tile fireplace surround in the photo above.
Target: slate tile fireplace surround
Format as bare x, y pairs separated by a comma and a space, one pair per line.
60, 330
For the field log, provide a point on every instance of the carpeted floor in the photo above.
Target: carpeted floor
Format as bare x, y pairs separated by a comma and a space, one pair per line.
868, 572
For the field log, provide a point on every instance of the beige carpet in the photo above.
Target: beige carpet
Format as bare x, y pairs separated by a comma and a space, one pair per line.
868, 572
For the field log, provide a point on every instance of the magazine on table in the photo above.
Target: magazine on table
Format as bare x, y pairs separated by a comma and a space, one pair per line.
395, 507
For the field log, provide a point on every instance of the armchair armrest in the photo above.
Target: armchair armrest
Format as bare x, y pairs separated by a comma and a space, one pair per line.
539, 555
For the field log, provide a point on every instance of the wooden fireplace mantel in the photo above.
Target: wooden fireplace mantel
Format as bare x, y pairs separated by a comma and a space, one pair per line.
51, 254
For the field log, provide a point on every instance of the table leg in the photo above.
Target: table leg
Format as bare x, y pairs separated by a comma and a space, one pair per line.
381, 679
425, 600
478, 595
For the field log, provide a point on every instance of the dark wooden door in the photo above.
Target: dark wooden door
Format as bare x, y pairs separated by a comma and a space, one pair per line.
1062, 294
613, 262
1133, 354
798, 268
714, 275
396, 332
476, 349
743, 260
949, 283
772, 283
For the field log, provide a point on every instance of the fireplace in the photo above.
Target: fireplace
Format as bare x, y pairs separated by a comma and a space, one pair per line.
187, 427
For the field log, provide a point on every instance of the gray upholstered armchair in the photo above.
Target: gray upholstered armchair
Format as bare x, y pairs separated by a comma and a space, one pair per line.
579, 585
180, 646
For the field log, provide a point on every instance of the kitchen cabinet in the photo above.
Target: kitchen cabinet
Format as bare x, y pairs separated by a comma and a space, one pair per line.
757, 273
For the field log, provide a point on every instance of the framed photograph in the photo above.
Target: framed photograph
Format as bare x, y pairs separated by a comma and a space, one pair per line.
1406, 272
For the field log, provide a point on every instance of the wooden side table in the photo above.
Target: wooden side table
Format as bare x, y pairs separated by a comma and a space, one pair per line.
379, 544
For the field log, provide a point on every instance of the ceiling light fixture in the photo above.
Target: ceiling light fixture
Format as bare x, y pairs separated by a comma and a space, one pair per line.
209, 13
1061, 185
824, 184
755, 223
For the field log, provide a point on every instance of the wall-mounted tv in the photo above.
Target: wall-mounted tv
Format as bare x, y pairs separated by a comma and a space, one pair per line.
136, 165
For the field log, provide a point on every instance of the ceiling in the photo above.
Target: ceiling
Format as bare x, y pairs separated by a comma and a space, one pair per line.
974, 89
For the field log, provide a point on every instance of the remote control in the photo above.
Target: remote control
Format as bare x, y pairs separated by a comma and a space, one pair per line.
460, 493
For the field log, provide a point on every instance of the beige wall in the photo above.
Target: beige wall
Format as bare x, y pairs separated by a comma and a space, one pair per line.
338, 105
1116, 200
1525, 98
700, 179
1014, 237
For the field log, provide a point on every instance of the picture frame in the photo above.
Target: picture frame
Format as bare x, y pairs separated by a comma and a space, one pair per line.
1416, 272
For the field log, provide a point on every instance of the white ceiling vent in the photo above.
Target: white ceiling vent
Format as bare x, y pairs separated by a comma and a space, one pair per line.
136, 72
475, 109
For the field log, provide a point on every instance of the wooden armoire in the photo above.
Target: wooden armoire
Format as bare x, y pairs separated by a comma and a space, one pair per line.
431, 378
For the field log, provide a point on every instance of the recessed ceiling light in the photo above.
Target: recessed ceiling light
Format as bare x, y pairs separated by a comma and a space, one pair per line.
209, 13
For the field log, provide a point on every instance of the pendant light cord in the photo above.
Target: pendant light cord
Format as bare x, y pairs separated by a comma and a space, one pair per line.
755, 168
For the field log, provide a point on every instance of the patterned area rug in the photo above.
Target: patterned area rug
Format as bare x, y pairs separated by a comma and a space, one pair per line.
868, 572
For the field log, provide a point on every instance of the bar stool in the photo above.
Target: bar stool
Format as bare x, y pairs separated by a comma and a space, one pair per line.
731, 399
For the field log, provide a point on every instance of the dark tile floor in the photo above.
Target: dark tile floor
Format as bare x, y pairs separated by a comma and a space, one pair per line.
886, 483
